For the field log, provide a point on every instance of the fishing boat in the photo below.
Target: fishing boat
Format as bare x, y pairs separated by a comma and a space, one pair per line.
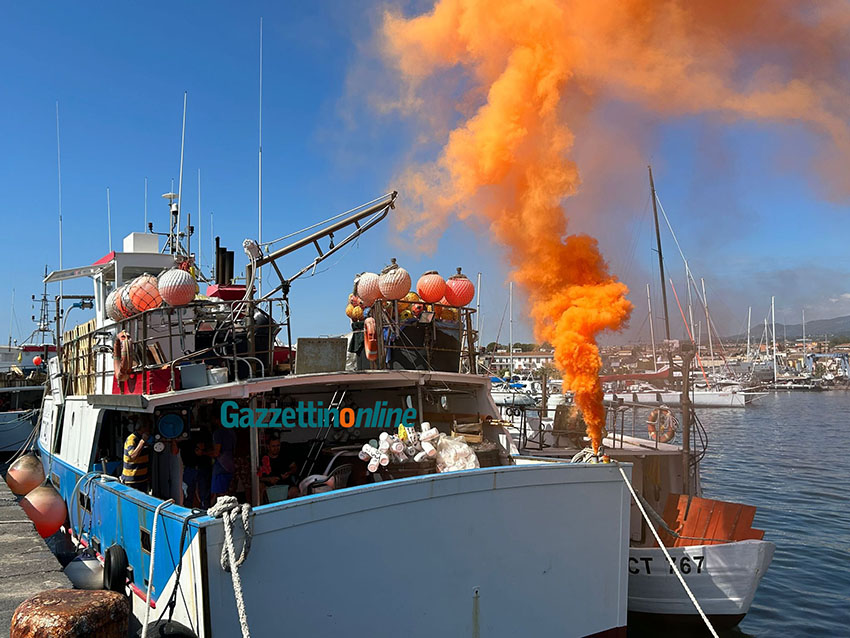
403, 549
711, 543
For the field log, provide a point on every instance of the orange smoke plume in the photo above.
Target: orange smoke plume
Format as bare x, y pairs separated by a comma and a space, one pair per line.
525, 68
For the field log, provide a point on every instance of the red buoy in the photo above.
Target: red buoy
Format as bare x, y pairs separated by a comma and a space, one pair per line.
25, 474
36, 360
45, 509
459, 290
431, 287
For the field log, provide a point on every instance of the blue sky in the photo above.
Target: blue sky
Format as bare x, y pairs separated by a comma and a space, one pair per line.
751, 218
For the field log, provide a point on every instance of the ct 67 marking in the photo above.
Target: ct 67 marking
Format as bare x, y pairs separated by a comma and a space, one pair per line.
687, 565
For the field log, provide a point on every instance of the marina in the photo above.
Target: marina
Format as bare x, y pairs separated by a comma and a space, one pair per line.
429, 319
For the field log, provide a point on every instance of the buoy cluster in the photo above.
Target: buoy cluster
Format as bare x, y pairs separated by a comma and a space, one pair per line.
433, 293
41, 503
175, 287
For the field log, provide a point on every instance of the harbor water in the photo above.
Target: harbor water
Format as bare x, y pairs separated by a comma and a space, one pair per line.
788, 455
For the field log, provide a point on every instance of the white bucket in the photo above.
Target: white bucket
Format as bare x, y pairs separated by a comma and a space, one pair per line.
216, 376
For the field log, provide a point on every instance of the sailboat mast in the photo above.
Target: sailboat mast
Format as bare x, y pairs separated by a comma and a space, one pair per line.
661, 267
511, 330
690, 299
773, 320
651, 329
749, 318
805, 354
707, 324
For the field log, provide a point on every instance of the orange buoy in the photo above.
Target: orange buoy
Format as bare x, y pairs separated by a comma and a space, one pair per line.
445, 312
36, 360
46, 509
367, 288
459, 290
431, 287
144, 293
394, 281
370, 339
25, 474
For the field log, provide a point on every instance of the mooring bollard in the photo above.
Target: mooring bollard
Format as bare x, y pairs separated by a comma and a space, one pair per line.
72, 613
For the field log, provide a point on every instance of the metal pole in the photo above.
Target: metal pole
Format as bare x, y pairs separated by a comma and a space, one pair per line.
511, 331
478, 307
59, 175
749, 320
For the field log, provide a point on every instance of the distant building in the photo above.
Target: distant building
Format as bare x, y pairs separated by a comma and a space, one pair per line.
522, 361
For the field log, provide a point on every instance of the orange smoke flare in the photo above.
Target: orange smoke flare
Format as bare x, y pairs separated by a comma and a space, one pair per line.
525, 68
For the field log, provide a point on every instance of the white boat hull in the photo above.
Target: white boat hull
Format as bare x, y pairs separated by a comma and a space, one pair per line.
430, 556
699, 399
723, 578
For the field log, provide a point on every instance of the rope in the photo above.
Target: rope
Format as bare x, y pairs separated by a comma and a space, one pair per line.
666, 553
228, 508
150, 571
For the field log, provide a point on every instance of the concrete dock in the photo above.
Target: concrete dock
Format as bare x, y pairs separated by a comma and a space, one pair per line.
26, 564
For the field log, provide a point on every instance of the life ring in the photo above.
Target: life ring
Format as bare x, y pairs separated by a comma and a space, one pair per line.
122, 356
370, 339
661, 418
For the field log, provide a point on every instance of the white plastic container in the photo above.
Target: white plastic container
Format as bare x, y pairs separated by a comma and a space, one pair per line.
215, 376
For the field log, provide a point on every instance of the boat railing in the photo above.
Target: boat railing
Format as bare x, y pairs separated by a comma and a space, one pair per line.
622, 418
431, 336
238, 336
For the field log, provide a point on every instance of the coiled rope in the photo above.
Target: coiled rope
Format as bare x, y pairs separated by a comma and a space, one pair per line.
150, 570
228, 508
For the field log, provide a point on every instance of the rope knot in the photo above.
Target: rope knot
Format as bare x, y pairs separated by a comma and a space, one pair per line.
228, 509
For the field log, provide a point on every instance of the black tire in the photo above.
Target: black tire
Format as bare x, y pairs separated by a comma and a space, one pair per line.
168, 629
115, 569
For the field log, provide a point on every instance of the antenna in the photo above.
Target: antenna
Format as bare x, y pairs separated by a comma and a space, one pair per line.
200, 227
180, 179
11, 315
59, 175
108, 219
260, 168
146, 204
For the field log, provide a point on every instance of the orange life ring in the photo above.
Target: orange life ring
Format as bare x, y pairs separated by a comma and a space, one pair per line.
370, 339
122, 356
661, 418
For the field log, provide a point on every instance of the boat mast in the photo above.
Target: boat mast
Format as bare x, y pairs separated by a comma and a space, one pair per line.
176, 247
59, 177
478, 308
200, 229
690, 300
260, 169
773, 319
749, 318
661, 269
11, 317
145, 229
651, 329
108, 219
707, 324
805, 354
511, 330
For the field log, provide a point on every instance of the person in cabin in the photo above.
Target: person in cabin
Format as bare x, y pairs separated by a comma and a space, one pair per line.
279, 468
136, 472
197, 470
224, 445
